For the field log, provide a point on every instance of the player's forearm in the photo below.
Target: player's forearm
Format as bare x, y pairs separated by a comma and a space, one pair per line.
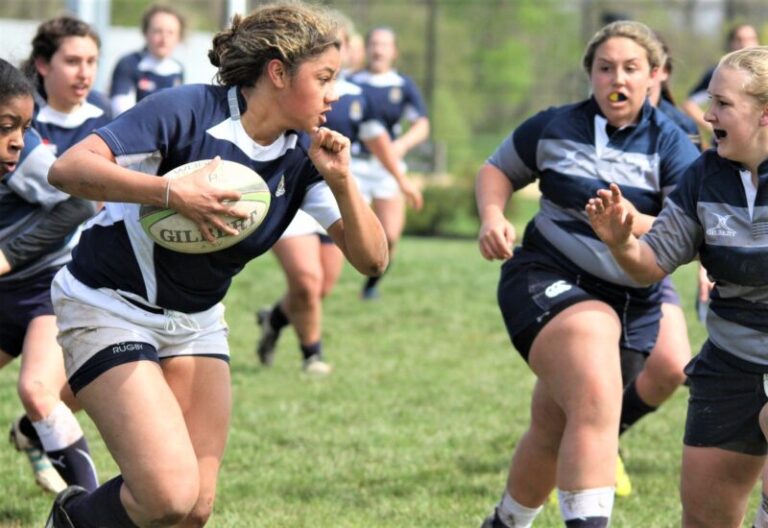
381, 147
417, 133
492, 191
362, 238
87, 171
638, 260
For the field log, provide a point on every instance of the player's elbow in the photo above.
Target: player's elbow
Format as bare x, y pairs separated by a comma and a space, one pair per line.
58, 173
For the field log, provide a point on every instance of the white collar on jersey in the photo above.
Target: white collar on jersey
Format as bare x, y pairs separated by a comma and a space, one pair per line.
232, 130
382, 80
166, 66
86, 111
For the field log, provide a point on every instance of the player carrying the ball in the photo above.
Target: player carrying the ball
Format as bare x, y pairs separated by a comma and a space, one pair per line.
142, 326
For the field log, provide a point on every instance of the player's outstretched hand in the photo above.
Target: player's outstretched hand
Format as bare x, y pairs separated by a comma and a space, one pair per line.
194, 197
412, 194
329, 152
610, 217
496, 239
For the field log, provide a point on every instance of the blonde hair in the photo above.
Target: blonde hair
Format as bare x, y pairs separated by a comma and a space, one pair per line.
636, 31
754, 61
291, 32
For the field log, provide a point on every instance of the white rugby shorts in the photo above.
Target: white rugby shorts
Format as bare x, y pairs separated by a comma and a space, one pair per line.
91, 320
375, 182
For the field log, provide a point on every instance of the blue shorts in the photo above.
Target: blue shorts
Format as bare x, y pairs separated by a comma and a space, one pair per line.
534, 288
669, 294
727, 394
19, 304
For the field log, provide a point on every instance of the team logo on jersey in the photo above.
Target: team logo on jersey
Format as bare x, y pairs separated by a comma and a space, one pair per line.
280, 187
556, 288
355, 111
146, 85
395, 95
722, 228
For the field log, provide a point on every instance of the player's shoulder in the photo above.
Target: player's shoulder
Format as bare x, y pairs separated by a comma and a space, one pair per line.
129, 60
100, 101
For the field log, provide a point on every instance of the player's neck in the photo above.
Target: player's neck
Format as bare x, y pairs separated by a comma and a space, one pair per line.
259, 120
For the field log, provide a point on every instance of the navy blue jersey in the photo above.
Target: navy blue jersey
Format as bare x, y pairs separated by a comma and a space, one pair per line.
394, 98
352, 116
682, 120
569, 150
699, 93
139, 74
60, 131
717, 213
164, 131
26, 198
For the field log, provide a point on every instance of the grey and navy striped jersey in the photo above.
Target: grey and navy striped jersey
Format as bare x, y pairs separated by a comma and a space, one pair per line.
718, 213
26, 198
166, 130
569, 150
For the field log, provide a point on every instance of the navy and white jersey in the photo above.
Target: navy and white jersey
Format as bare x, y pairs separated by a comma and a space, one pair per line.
162, 132
60, 131
699, 94
569, 150
717, 213
682, 120
26, 198
352, 116
394, 98
139, 74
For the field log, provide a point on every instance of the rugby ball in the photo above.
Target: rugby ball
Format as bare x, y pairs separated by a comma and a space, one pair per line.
173, 231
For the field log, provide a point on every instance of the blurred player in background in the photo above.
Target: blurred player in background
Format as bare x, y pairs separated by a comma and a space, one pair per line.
568, 308
144, 72
395, 99
310, 260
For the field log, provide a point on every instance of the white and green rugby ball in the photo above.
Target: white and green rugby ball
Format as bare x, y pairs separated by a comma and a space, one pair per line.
173, 231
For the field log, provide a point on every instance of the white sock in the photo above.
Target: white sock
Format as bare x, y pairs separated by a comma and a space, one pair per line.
596, 502
58, 430
761, 518
515, 515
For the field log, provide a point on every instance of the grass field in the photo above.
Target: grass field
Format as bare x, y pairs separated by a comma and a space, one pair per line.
414, 429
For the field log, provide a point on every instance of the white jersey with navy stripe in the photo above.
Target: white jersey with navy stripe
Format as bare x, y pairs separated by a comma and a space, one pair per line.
569, 151
25, 199
171, 128
140, 74
394, 98
717, 213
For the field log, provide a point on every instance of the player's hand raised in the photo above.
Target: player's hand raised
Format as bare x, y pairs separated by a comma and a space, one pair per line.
329, 152
610, 217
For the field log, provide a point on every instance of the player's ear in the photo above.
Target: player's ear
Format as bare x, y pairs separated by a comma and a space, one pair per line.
764, 116
277, 73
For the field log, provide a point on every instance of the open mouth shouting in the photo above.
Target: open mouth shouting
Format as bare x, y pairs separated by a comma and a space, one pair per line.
720, 133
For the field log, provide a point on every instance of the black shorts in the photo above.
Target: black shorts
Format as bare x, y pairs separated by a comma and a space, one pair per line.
534, 288
727, 394
669, 294
19, 304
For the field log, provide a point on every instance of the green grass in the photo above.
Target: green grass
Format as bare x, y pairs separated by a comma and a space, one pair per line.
416, 426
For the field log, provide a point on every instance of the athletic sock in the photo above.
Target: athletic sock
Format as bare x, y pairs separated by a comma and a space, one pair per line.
313, 349
586, 508
28, 430
63, 441
277, 318
102, 507
513, 514
761, 517
371, 282
632, 408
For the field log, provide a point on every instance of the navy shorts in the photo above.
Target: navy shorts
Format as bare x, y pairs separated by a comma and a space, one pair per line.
534, 288
20, 303
669, 294
727, 394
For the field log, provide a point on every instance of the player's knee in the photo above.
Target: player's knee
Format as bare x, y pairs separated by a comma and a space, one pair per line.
171, 501
34, 396
307, 289
666, 370
201, 512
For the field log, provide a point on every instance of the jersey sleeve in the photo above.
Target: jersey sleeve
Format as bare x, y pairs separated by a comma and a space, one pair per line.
150, 128
414, 103
699, 93
516, 156
676, 234
30, 179
122, 77
320, 203
676, 155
